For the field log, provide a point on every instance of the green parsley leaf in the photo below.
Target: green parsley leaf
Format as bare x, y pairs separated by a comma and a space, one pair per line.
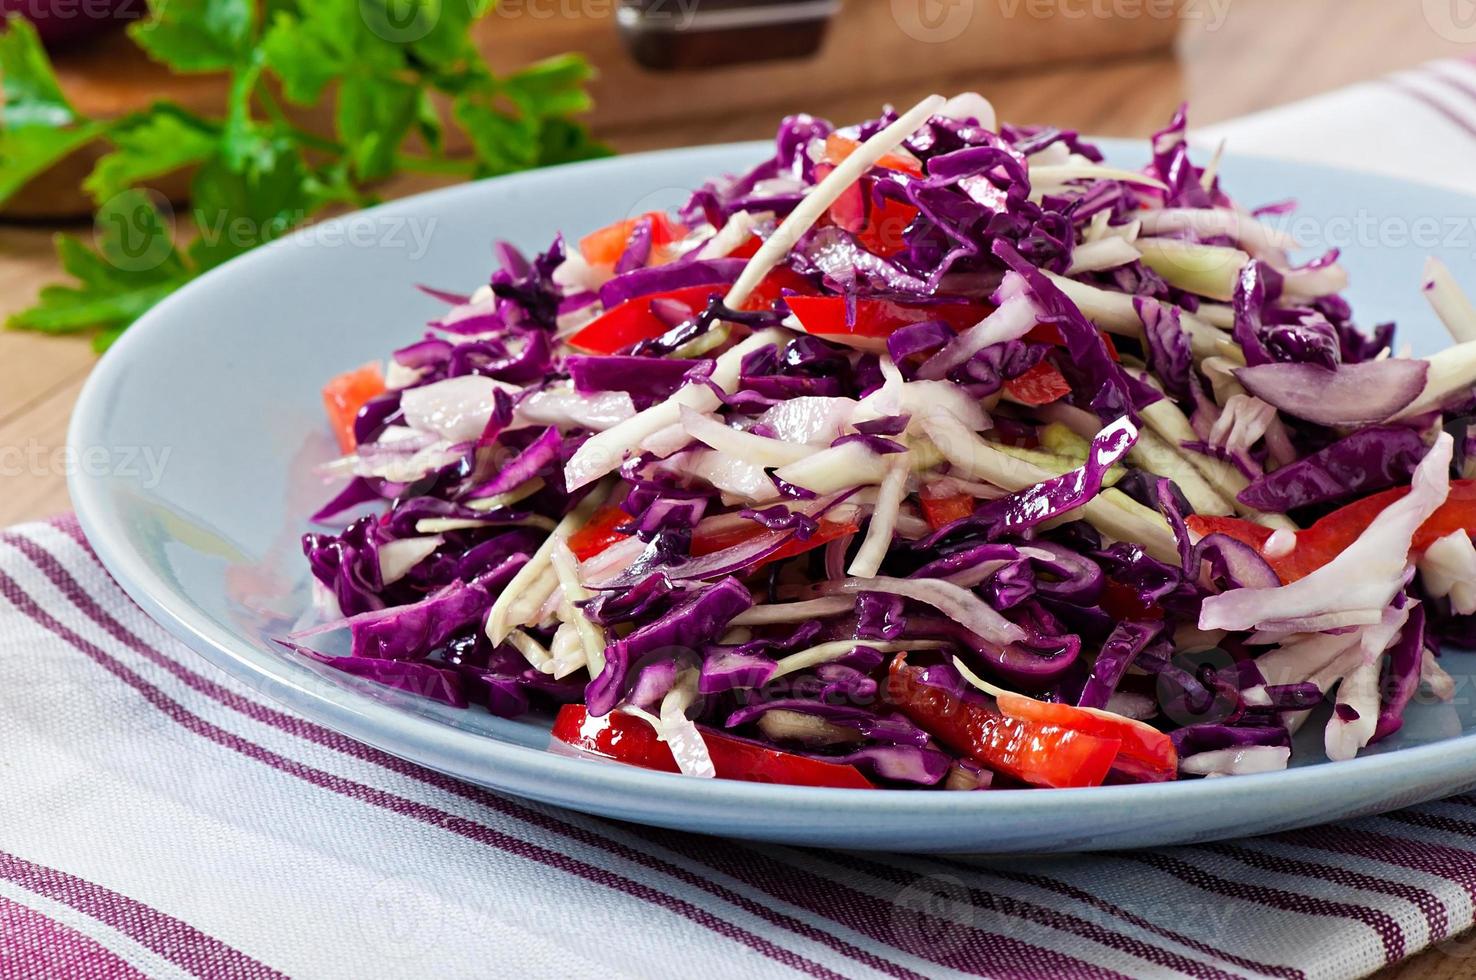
150, 144
552, 87
31, 151
40, 128
503, 143
32, 95
237, 210
390, 66
197, 35
373, 117
134, 266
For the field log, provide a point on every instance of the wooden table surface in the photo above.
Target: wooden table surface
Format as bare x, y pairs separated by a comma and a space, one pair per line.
1258, 54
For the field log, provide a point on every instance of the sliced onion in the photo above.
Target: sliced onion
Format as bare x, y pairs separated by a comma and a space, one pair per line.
1353, 394
958, 604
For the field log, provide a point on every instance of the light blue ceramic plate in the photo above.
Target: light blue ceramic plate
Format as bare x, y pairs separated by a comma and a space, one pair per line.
225, 374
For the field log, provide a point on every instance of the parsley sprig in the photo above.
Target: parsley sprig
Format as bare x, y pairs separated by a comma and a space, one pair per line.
399, 72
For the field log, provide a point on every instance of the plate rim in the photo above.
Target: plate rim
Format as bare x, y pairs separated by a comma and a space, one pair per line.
433, 744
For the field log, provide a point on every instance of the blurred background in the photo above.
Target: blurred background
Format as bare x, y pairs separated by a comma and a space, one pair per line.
130, 127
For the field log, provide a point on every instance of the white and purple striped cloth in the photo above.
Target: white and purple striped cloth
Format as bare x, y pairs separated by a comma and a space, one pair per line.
158, 819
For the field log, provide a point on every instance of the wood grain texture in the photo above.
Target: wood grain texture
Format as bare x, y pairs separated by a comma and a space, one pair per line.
1258, 54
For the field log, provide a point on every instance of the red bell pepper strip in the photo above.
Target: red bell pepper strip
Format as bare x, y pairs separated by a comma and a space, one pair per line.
838, 147
604, 247
1148, 751
632, 740
345, 395
1045, 333
880, 318
633, 321
878, 226
1334, 532
882, 232
942, 511
828, 531
600, 532
1035, 753
781, 283
1041, 385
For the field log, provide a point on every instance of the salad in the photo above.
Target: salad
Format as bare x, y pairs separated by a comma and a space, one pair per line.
930, 453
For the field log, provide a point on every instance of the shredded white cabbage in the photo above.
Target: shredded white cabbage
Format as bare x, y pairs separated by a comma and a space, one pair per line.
603, 452
396, 558
455, 409
1206, 270
824, 653
793, 612
1240, 761
1014, 318
778, 245
1449, 301
534, 652
883, 524
1106, 253
751, 448
851, 464
1448, 568
1122, 519
1257, 238
680, 733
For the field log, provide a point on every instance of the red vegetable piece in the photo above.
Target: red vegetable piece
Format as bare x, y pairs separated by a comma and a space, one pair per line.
632, 740
1041, 385
1035, 753
345, 395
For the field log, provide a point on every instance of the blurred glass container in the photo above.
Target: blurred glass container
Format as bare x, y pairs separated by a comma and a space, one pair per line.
669, 35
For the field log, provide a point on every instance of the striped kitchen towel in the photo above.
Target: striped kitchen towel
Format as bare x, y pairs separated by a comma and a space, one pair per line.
1418, 124
159, 819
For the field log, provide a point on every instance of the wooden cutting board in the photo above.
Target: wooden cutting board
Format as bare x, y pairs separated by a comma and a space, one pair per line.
875, 45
